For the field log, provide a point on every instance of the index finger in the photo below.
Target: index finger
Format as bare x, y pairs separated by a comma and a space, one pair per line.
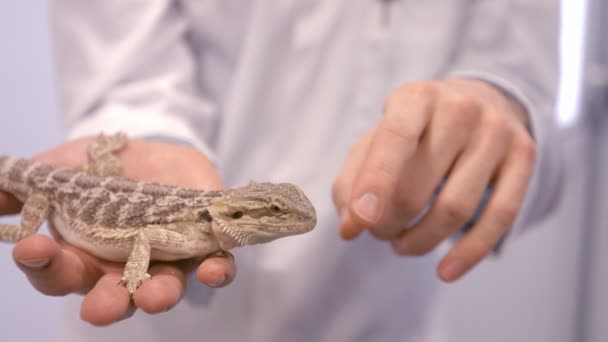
395, 142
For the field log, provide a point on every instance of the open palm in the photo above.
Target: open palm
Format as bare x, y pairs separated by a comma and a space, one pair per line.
54, 267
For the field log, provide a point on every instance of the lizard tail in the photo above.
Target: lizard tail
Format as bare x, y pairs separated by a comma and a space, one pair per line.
14, 174
11, 232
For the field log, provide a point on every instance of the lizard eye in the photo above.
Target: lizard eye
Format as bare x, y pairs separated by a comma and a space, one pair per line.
275, 209
237, 215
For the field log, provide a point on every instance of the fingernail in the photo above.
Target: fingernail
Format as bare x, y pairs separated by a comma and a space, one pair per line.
219, 282
35, 263
453, 269
368, 207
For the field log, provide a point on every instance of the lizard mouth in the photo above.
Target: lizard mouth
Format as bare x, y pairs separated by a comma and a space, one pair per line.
241, 237
254, 235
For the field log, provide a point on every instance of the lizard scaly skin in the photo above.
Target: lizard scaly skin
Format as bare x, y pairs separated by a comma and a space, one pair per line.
123, 220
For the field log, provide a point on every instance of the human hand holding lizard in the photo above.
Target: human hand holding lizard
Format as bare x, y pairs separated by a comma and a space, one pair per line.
56, 268
463, 131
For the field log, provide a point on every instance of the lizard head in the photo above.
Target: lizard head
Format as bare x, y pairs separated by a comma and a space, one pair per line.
262, 212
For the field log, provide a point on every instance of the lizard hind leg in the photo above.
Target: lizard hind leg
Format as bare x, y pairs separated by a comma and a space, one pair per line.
35, 211
102, 155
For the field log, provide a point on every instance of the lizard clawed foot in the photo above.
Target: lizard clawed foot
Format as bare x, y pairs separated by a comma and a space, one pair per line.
220, 254
132, 283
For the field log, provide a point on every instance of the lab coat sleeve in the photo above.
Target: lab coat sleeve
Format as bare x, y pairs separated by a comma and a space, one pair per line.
513, 45
128, 66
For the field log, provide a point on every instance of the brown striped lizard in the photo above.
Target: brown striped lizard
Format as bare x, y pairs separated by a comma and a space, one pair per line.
124, 220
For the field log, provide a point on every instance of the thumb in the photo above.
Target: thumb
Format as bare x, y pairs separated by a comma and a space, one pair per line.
9, 204
341, 195
342, 188
51, 269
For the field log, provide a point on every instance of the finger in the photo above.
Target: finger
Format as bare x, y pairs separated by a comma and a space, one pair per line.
394, 143
51, 269
163, 290
9, 204
348, 229
342, 188
216, 272
461, 195
107, 302
452, 126
498, 216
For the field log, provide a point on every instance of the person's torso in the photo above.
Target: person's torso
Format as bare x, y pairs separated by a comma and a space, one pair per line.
296, 83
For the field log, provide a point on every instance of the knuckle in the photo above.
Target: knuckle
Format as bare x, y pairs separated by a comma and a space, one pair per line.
496, 124
455, 209
463, 107
382, 172
393, 102
505, 213
525, 147
423, 90
395, 127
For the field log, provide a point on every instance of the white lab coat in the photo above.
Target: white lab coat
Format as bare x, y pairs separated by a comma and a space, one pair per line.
278, 91
593, 272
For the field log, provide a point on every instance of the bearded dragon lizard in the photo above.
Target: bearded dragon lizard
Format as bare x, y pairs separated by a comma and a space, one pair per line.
123, 220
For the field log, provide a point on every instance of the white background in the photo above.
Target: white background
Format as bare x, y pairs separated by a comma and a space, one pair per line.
529, 294
28, 124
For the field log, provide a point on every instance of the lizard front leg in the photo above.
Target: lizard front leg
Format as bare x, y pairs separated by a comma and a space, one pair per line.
136, 268
35, 211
